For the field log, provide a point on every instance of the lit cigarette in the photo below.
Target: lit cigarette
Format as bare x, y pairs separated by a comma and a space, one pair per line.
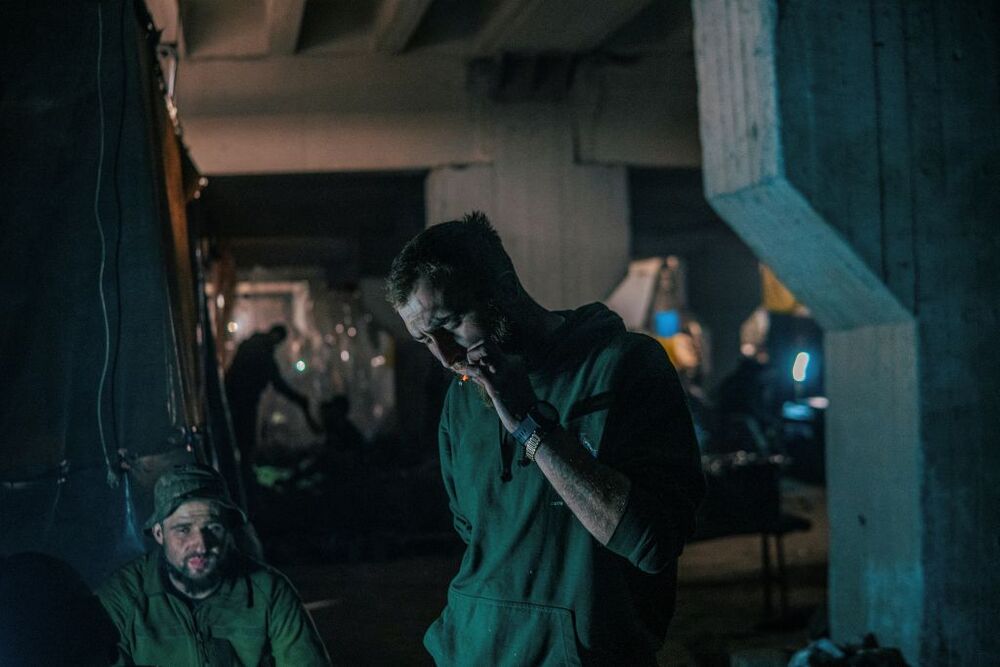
465, 378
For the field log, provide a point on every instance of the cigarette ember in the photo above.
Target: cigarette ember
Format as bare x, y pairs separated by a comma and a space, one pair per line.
465, 378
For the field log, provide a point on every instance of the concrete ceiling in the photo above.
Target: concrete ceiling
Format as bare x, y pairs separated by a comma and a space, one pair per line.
369, 75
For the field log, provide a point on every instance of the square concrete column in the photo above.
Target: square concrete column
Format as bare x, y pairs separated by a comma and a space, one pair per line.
565, 225
854, 147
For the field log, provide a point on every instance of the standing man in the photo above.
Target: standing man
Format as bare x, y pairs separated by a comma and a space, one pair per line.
196, 600
568, 456
252, 369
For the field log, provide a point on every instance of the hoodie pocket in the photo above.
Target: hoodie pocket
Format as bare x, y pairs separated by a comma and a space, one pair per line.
480, 631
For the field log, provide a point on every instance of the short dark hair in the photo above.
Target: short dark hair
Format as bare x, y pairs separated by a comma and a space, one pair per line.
279, 331
466, 253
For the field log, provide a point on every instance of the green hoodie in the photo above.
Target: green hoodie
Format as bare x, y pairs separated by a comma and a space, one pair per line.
534, 587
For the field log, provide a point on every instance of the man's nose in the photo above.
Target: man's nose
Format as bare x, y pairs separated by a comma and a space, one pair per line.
197, 540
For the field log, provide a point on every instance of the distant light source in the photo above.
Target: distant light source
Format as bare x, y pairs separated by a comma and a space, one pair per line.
232, 327
300, 365
339, 328
800, 366
818, 402
345, 356
378, 361
352, 332
220, 301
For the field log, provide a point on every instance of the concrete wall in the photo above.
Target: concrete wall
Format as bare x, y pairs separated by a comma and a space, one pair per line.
854, 147
565, 225
873, 480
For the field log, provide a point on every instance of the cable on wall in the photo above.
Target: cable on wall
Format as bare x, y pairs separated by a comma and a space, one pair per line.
112, 477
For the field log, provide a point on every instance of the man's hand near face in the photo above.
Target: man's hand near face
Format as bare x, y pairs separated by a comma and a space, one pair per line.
594, 492
505, 380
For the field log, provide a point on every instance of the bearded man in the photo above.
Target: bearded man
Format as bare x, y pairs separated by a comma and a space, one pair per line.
568, 456
196, 600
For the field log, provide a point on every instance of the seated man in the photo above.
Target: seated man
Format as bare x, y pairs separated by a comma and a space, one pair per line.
197, 600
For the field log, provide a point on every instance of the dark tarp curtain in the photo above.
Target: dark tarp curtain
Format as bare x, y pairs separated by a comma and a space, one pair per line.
98, 344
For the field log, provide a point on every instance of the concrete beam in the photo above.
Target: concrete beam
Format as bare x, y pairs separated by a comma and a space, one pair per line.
298, 143
643, 114
754, 163
226, 28
284, 19
395, 24
745, 172
299, 84
533, 26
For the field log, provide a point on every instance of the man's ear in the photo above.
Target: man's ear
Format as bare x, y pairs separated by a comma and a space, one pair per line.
507, 287
158, 533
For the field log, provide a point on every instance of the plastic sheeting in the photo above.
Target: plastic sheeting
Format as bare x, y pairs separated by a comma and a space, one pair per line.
97, 352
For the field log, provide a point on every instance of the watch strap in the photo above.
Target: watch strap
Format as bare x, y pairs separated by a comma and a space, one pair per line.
531, 446
525, 430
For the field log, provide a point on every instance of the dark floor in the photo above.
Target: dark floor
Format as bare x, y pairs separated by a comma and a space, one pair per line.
375, 613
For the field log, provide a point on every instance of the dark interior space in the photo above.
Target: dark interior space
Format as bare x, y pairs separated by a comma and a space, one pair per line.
363, 218
671, 217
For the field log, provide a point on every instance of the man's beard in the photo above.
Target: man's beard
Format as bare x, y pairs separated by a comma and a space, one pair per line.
500, 332
195, 586
500, 329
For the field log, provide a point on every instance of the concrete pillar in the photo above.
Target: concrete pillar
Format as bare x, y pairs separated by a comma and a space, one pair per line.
854, 147
565, 225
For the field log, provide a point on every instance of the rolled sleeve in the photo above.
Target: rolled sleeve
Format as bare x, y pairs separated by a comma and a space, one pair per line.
650, 438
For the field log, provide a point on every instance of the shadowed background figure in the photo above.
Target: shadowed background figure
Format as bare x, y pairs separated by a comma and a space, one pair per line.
252, 370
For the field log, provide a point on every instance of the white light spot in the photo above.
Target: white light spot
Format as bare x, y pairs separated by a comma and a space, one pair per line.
300, 365
220, 301
800, 366
378, 361
232, 327
345, 356
352, 332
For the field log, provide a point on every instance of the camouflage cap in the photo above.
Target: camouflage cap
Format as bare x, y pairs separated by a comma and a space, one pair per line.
186, 482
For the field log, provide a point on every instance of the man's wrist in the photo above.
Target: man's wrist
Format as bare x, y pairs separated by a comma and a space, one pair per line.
540, 420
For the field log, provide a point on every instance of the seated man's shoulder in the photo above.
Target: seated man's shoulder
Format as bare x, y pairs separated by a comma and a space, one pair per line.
264, 578
132, 576
128, 587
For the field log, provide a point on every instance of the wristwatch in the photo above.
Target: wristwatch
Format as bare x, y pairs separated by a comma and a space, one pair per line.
541, 419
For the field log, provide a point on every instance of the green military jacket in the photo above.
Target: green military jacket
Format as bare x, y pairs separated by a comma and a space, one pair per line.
254, 618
